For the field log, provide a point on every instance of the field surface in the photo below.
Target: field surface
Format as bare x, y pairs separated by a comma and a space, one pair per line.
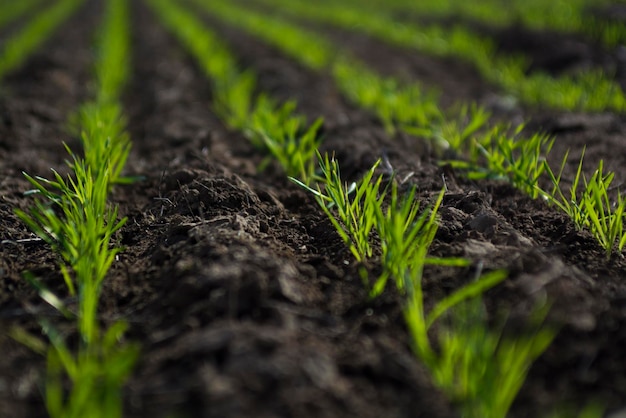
242, 296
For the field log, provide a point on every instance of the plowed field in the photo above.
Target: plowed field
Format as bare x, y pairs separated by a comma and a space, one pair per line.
243, 297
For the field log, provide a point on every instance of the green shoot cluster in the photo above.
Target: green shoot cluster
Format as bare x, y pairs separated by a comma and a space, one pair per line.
589, 90
356, 215
478, 367
268, 125
592, 207
76, 219
481, 368
106, 145
496, 154
17, 49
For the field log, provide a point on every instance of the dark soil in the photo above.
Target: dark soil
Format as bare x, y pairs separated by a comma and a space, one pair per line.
242, 296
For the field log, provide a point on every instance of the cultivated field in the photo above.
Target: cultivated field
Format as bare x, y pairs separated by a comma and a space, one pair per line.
280, 208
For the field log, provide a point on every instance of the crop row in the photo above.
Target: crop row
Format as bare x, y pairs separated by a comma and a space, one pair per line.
589, 90
483, 380
577, 16
74, 217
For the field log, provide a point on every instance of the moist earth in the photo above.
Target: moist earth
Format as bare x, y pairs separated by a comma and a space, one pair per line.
242, 296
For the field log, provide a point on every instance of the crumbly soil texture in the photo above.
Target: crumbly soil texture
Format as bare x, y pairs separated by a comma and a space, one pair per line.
244, 300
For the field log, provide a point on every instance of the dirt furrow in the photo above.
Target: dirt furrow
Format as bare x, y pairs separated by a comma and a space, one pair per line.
220, 272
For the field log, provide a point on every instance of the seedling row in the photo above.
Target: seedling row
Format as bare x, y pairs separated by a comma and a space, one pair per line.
509, 72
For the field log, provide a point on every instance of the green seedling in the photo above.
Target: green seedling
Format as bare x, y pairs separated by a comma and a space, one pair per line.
590, 90
405, 240
454, 136
606, 217
79, 227
592, 207
355, 205
609, 33
356, 209
477, 367
572, 205
404, 235
482, 368
591, 410
97, 372
464, 363
76, 220
17, 49
106, 362
106, 145
496, 154
518, 159
282, 132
